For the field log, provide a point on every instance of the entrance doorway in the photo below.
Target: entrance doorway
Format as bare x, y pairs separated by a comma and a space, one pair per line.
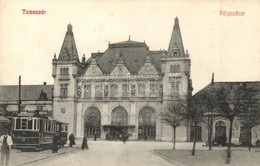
119, 124
147, 124
92, 122
245, 136
220, 133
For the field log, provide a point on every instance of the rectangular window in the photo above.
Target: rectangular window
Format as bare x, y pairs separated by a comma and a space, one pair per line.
175, 89
87, 91
45, 125
49, 126
133, 87
24, 124
114, 90
30, 124
124, 91
141, 89
66, 128
35, 124
39, 124
18, 124
64, 90
57, 127
98, 91
152, 88
106, 90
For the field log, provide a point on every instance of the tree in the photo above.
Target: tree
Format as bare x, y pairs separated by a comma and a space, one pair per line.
173, 116
235, 100
249, 121
197, 110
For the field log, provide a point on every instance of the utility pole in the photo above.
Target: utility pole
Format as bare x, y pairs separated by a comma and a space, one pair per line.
210, 115
19, 102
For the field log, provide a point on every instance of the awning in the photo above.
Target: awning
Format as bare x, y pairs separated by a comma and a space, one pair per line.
4, 120
118, 126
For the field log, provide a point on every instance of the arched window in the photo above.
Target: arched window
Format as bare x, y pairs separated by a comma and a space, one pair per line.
147, 116
119, 116
92, 121
147, 124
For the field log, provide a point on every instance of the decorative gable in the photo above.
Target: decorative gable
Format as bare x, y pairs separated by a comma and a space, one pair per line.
120, 70
93, 69
148, 68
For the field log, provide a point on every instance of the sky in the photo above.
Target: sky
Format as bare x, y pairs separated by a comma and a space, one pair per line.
227, 46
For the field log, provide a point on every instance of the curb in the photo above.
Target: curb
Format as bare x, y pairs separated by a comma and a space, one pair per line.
165, 158
29, 162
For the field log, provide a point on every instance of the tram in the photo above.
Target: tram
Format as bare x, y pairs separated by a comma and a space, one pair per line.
32, 131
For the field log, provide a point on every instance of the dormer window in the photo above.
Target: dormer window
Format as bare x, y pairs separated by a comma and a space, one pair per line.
175, 53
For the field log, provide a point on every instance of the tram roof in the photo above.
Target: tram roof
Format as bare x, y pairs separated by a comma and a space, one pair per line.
30, 114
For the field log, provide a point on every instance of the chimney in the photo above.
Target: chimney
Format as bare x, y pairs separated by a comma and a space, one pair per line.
44, 83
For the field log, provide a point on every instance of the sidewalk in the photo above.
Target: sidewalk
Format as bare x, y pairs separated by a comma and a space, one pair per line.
22, 158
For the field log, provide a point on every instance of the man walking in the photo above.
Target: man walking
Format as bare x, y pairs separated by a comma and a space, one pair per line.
72, 140
95, 136
5, 143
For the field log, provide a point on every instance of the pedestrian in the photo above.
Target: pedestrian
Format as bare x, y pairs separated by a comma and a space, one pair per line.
124, 138
72, 140
95, 136
5, 142
55, 143
84, 143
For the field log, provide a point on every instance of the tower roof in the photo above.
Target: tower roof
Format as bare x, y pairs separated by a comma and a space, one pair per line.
68, 49
176, 39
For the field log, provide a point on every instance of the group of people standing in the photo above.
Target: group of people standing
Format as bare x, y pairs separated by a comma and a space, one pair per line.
56, 142
84, 142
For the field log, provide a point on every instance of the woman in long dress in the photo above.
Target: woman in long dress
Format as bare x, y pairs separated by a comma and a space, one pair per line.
84, 143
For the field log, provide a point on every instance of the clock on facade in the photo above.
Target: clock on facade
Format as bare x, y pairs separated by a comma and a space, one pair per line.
63, 110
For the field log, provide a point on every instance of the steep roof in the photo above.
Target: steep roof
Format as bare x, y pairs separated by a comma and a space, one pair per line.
176, 39
133, 54
28, 92
68, 49
255, 84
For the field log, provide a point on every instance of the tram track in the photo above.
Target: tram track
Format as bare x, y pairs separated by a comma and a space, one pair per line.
47, 157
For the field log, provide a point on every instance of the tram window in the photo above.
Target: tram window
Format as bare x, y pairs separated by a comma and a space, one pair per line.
38, 124
49, 126
30, 122
54, 126
24, 124
45, 125
18, 123
35, 124
58, 127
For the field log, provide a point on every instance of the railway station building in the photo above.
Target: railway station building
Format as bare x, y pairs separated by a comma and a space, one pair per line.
121, 90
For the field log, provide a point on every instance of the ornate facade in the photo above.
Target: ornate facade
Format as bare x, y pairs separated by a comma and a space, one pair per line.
122, 90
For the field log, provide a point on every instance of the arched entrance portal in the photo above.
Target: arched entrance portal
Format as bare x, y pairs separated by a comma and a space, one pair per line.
119, 124
92, 122
147, 124
220, 132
